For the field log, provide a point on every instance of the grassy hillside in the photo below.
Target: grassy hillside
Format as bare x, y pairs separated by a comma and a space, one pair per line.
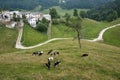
101, 64
91, 28
112, 36
62, 31
62, 12
32, 37
7, 39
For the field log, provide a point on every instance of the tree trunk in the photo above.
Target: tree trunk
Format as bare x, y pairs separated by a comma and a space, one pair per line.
78, 36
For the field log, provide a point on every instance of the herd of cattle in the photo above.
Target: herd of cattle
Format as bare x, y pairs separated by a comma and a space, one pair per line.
51, 53
51, 58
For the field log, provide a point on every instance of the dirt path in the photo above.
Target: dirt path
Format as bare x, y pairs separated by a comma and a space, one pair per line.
20, 46
100, 37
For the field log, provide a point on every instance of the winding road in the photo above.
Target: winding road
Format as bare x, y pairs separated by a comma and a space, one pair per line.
20, 32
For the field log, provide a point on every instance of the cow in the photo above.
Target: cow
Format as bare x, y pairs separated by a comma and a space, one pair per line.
39, 53
57, 63
84, 55
48, 64
50, 51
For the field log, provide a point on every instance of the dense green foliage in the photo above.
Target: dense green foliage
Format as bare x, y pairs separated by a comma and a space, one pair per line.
109, 11
42, 25
26, 4
75, 13
68, 4
53, 13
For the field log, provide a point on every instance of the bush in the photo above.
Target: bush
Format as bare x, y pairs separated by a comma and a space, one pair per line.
41, 27
55, 21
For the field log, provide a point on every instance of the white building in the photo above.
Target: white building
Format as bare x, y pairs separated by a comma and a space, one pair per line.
47, 16
32, 21
10, 24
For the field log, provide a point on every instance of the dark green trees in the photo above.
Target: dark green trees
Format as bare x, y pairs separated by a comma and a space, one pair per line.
53, 13
75, 13
42, 25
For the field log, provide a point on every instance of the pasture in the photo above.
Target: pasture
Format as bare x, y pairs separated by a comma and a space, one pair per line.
102, 63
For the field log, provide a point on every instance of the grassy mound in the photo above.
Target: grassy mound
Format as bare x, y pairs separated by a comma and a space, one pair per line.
7, 39
101, 64
112, 36
31, 37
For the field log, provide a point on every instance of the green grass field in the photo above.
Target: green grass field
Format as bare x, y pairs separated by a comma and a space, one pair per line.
32, 37
101, 64
62, 31
91, 28
112, 36
62, 12
7, 39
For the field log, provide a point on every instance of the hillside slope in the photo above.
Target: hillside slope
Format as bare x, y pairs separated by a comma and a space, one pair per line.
102, 63
7, 39
112, 36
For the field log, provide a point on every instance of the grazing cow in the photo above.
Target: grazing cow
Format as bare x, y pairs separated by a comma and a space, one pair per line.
50, 58
39, 53
57, 63
54, 53
48, 64
50, 51
34, 53
84, 55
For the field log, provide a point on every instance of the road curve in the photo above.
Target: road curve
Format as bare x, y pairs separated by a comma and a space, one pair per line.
20, 31
100, 37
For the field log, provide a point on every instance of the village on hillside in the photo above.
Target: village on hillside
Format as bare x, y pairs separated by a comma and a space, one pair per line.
6, 17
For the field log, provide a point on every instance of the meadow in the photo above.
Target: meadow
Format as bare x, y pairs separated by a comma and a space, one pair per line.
112, 36
102, 62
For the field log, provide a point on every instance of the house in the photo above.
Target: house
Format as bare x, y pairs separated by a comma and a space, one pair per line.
47, 16
33, 17
8, 15
10, 24
32, 22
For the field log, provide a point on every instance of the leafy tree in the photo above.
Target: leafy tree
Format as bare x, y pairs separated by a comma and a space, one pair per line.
53, 13
112, 15
83, 14
75, 13
42, 25
75, 23
67, 16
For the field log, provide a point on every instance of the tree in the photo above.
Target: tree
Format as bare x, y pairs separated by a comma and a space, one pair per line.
67, 16
42, 25
112, 15
75, 23
53, 13
83, 14
75, 13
